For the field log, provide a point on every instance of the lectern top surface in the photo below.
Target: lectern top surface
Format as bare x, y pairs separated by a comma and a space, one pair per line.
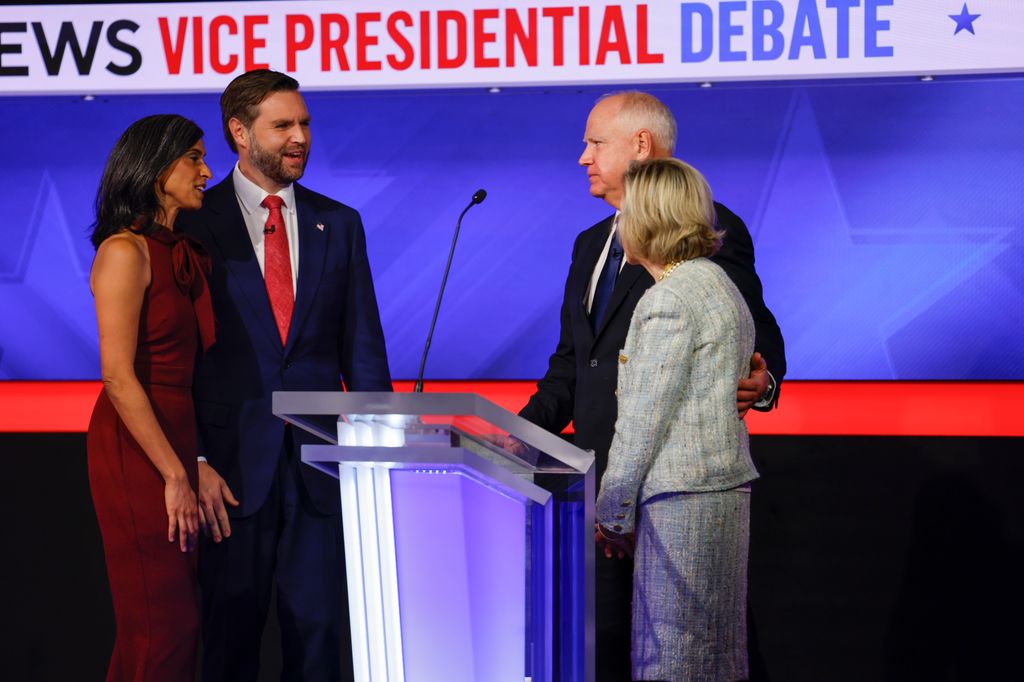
412, 419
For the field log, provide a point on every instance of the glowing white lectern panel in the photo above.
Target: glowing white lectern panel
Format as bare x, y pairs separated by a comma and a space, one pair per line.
468, 536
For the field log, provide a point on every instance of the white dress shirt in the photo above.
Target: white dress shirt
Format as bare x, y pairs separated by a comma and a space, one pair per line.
250, 196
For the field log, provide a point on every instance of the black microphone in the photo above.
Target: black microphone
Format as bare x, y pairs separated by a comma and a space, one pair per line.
270, 230
478, 197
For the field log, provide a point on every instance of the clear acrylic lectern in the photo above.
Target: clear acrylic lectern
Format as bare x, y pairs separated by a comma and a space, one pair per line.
469, 540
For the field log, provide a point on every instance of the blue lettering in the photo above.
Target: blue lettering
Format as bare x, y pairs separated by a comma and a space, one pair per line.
726, 31
689, 11
768, 37
872, 25
807, 18
843, 25
768, 29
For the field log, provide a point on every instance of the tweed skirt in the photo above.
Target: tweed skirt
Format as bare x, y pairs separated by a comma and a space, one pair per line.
690, 587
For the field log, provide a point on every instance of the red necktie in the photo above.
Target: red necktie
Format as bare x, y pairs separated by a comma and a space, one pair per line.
277, 266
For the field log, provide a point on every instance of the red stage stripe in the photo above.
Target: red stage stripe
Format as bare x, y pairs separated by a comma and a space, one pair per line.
811, 408
46, 406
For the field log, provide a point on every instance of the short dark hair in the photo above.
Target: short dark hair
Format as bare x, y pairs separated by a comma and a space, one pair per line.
243, 96
127, 194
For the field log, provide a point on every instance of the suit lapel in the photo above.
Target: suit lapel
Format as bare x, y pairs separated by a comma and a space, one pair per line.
590, 252
232, 238
313, 235
628, 277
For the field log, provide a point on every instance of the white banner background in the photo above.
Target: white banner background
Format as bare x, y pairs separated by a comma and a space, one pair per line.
344, 44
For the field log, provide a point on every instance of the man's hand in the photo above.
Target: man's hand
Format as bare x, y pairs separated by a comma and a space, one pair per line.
213, 493
507, 442
753, 387
615, 545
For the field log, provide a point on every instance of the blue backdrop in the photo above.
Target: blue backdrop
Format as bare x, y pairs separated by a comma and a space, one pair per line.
888, 218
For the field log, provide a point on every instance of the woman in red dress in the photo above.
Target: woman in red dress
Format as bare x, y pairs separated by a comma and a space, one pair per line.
153, 310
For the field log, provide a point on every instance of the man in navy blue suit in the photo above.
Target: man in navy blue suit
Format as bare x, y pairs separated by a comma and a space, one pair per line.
296, 311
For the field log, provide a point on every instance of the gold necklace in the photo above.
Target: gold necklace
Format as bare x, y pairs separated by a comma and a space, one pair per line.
669, 269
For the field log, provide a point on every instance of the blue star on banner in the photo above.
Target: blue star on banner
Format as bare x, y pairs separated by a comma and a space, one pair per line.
964, 20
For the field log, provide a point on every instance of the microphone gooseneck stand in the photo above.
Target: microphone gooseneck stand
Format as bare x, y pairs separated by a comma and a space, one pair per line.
478, 197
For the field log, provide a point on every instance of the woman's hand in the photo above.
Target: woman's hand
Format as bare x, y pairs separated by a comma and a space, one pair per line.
613, 544
182, 512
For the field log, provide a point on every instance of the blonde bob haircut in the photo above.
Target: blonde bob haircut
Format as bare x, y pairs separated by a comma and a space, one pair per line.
668, 214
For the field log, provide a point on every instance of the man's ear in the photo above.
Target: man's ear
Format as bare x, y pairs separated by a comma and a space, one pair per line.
239, 133
644, 143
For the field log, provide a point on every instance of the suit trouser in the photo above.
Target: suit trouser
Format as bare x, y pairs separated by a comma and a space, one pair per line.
613, 611
286, 544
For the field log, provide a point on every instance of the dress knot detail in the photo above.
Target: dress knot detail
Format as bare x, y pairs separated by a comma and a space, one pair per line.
189, 259
190, 262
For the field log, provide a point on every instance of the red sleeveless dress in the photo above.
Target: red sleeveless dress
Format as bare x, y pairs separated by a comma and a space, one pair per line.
152, 582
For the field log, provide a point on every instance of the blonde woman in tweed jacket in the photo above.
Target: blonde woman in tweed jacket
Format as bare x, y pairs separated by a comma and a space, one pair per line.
677, 483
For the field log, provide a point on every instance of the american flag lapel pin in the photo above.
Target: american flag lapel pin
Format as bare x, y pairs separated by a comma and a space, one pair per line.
320, 226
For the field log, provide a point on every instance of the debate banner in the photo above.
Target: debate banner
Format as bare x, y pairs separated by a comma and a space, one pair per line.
395, 44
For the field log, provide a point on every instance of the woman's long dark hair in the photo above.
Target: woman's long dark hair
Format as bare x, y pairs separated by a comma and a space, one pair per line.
127, 194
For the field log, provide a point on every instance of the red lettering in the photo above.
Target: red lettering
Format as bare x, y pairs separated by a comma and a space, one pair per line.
173, 54
294, 44
445, 60
526, 38
363, 41
252, 43
400, 40
613, 22
557, 16
216, 24
424, 40
197, 44
482, 37
329, 43
584, 35
642, 55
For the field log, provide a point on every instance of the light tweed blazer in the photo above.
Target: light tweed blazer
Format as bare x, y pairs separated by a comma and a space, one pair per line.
689, 343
